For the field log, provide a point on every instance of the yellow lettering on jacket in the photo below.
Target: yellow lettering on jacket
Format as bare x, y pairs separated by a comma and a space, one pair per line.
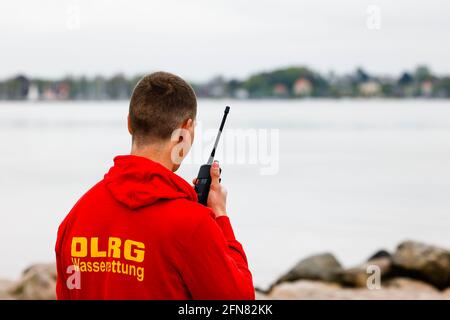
79, 247
131, 250
95, 253
134, 251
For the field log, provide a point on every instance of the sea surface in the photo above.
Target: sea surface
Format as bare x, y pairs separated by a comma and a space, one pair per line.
303, 177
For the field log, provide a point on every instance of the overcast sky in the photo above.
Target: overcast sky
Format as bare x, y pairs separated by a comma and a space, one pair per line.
202, 38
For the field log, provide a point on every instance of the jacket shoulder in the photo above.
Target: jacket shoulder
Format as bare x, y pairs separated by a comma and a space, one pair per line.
190, 209
187, 215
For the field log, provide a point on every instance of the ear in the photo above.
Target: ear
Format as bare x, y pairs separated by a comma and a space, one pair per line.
188, 124
129, 125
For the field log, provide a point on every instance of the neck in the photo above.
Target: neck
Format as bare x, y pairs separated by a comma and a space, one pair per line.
156, 152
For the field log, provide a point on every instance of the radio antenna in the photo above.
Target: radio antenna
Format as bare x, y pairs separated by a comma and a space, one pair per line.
213, 152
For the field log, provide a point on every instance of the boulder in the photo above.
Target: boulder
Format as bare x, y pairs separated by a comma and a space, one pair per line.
5, 286
318, 267
380, 254
38, 282
422, 261
359, 276
304, 290
446, 293
409, 285
260, 296
317, 290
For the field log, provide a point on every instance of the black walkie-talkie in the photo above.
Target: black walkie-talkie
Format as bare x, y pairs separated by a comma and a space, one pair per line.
204, 177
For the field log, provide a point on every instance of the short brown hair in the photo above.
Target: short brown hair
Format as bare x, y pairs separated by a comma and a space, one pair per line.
159, 104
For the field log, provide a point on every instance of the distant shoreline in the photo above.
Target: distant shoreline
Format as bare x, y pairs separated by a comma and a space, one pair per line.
250, 100
288, 82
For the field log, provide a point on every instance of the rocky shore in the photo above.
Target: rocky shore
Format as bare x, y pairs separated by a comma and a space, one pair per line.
413, 271
38, 282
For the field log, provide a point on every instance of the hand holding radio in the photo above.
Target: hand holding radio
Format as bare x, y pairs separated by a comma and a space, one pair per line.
217, 196
207, 185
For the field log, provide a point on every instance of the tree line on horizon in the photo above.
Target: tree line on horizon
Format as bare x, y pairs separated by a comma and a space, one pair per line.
291, 82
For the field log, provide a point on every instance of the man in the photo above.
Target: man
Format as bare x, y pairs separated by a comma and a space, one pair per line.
140, 233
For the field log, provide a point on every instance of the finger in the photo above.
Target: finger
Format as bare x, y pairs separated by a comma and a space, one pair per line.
194, 181
215, 173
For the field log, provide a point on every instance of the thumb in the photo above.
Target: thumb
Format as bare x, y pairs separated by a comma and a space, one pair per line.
215, 172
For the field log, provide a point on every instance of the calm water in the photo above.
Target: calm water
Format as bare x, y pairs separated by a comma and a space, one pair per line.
353, 176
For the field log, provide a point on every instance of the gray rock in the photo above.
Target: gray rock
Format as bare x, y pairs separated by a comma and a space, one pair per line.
446, 293
304, 290
317, 290
380, 254
409, 285
260, 296
5, 286
38, 282
418, 260
358, 276
318, 267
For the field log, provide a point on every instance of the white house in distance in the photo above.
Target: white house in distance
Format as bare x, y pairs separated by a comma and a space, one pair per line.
370, 88
302, 87
33, 93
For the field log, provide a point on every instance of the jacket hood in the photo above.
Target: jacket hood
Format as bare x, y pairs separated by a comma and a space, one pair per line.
137, 182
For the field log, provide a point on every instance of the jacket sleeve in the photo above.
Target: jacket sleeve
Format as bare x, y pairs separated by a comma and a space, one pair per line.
215, 266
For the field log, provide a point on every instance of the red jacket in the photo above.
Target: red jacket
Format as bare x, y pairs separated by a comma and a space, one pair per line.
140, 234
